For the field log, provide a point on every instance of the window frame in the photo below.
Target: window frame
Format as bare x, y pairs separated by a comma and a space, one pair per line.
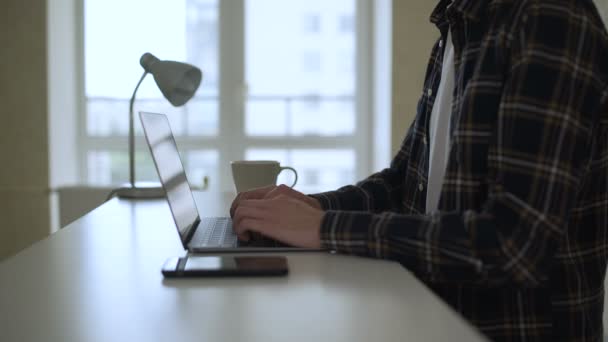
232, 92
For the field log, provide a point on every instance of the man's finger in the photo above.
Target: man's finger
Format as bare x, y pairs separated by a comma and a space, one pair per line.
241, 197
258, 193
255, 203
279, 190
235, 204
244, 212
244, 236
249, 225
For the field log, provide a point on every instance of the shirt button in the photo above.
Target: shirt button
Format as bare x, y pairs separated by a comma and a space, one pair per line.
429, 92
420, 187
441, 43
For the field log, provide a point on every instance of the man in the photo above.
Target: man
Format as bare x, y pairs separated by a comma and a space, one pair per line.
498, 197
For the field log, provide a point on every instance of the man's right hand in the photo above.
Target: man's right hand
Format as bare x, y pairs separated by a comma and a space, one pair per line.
270, 192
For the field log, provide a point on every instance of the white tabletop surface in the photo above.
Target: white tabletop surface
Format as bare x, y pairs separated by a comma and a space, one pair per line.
99, 279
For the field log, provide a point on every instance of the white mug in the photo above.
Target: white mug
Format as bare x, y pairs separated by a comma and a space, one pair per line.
251, 174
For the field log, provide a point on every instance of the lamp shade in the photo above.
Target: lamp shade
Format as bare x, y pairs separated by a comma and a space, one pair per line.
177, 81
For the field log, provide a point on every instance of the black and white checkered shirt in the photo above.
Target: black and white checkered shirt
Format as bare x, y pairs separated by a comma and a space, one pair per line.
520, 241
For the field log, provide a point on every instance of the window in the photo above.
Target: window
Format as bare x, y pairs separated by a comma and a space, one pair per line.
346, 24
311, 23
311, 62
279, 92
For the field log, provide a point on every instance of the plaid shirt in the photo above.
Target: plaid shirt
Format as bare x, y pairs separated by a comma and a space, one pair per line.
519, 244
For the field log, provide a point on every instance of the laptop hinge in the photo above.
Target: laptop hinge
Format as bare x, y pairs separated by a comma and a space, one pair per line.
192, 229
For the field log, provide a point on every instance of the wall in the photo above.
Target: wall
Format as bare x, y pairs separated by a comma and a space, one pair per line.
413, 37
602, 6
24, 204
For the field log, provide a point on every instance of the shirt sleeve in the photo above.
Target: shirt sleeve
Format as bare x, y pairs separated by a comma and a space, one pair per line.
536, 159
379, 192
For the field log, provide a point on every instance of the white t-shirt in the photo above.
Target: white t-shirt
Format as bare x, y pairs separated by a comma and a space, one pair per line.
439, 129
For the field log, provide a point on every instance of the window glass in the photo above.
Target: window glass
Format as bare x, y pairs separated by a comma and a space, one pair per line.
181, 30
311, 23
201, 168
291, 73
300, 74
111, 167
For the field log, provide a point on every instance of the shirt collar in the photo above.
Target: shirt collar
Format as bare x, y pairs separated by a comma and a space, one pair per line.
469, 9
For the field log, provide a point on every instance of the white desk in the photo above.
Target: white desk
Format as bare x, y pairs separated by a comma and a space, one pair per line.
99, 279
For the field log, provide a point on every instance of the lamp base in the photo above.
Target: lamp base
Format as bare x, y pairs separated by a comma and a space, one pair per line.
141, 190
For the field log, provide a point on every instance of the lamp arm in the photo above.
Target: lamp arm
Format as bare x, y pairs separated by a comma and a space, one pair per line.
132, 134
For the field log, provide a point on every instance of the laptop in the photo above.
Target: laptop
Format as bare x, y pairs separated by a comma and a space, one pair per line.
198, 235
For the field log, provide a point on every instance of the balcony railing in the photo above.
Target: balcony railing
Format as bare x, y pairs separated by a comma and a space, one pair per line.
264, 115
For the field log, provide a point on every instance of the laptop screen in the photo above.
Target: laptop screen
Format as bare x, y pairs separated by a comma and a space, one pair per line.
171, 172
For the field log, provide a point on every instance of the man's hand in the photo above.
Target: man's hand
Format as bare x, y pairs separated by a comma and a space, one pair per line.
283, 218
270, 192
258, 193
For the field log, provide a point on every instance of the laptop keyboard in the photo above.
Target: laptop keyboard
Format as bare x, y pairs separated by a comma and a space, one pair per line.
217, 232
214, 232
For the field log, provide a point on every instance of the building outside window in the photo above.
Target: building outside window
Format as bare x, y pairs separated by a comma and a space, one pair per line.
311, 23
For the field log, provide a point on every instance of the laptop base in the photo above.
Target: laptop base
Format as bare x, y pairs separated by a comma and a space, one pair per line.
140, 190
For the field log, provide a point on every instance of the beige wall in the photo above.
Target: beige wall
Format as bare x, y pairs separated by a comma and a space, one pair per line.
24, 208
413, 37
602, 6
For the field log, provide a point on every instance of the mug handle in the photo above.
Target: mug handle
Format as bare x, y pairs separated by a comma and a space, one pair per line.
294, 172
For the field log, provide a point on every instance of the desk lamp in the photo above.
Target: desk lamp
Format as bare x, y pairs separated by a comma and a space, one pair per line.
178, 83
